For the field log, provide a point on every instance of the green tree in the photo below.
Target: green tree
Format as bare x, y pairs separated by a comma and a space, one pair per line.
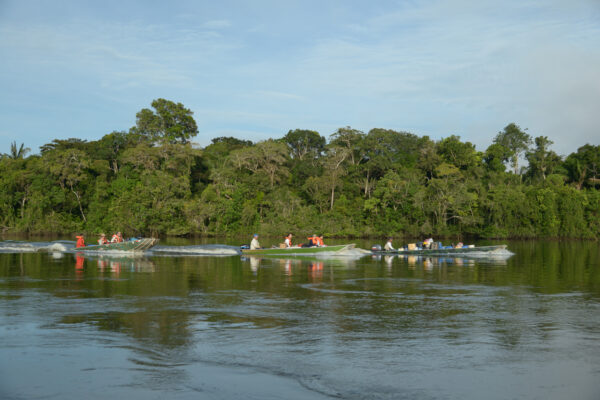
110, 147
169, 122
70, 168
59, 144
349, 139
428, 158
495, 156
334, 169
18, 152
542, 160
304, 144
583, 167
266, 158
216, 153
516, 141
459, 154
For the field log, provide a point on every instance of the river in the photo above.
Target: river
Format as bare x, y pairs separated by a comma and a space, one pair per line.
182, 323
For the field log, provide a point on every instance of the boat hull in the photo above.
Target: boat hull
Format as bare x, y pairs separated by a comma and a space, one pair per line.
445, 252
130, 245
298, 251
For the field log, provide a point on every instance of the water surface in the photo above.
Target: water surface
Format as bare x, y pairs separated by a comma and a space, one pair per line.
180, 325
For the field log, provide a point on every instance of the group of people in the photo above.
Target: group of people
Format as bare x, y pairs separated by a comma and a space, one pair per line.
116, 238
427, 244
313, 241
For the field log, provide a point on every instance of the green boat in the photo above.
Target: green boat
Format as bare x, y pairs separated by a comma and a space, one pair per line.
129, 245
488, 250
299, 251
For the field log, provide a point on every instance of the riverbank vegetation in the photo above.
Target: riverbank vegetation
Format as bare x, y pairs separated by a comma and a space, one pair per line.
152, 180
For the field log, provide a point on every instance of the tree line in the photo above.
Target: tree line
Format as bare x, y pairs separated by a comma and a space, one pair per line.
151, 180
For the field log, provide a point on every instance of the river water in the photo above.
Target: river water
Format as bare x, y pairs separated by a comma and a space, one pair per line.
190, 321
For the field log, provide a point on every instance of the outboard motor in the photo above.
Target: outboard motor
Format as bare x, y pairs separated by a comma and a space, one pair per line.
376, 247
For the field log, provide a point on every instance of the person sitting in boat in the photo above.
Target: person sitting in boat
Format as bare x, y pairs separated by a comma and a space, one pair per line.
116, 238
254, 245
312, 241
288, 240
102, 239
459, 245
80, 241
388, 246
320, 241
427, 243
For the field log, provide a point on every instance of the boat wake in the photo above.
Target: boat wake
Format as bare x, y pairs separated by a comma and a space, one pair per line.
500, 253
198, 250
11, 246
354, 252
67, 246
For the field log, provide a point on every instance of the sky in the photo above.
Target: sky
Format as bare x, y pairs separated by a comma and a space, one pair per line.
257, 69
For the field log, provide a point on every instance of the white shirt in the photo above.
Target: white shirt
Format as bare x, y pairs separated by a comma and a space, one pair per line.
254, 245
388, 246
287, 242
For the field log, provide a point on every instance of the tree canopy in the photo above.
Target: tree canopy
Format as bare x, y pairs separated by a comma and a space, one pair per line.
170, 122
151, 180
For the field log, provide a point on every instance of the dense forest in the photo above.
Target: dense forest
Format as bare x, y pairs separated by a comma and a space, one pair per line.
151, 180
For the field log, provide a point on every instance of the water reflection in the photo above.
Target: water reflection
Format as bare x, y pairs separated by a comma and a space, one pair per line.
428, 263
115, 263
352, 328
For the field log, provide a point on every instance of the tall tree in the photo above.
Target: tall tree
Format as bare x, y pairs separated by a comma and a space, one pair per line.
70, 167
18, 152
516, 140
169, 122
350, 139
334, 169
459, 154
304, 143
542, 160
583, 167
267, 157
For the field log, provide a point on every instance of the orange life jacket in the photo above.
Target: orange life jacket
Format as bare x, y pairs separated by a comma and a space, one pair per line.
319, 241
80, 241
288, 239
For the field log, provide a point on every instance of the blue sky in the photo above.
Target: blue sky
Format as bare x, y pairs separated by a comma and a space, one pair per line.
256, 69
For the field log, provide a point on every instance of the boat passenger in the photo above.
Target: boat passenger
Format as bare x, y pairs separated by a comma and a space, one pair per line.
102, 239
120, 237
80, 241
320, 242
388, 245
312, 241
115, 238
459, 245
288, 240
254, 245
